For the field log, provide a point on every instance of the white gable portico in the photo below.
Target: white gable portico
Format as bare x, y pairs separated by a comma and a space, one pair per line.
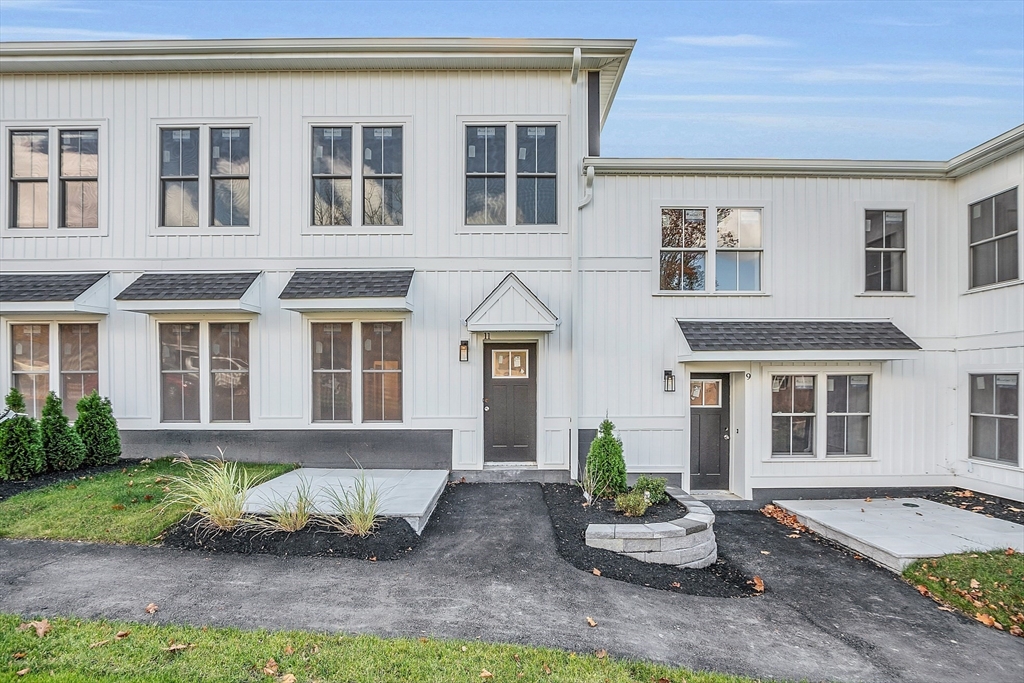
512, 307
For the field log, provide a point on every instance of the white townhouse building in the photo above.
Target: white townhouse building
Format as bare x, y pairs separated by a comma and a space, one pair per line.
410, 252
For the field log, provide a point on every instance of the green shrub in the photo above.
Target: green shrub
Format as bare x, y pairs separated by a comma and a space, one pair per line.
633, 504
98, 429
654, 486
606, 466
21, 444
62, 446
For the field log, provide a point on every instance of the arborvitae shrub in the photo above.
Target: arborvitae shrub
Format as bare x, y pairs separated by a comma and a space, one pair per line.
21, 445
605, 463
98, 429
654, 486
62, 446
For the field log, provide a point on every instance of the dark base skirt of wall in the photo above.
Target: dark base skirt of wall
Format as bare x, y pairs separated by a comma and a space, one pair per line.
421, 449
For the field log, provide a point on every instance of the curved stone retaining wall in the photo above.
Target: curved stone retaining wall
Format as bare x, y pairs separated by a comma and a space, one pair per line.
685, 542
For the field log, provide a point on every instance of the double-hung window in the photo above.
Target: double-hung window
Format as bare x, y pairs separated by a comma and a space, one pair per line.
696, 252
799, 400
995, 417
382, 175
332, 175
204, 177
885, 251
75, 346
378, 392
49, 190
994, 227
183, 368
524, 177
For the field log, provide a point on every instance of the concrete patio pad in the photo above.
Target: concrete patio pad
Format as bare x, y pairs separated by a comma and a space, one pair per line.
898, 531
411, 494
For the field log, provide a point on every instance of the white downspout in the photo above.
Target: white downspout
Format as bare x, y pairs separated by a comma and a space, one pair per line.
574, 439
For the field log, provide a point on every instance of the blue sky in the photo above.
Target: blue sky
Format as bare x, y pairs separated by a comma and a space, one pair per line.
789, 78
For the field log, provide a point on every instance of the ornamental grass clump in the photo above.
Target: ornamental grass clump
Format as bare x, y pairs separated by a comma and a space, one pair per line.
358, 509
290, 513
98, 429
21, 443
654, 486
634, 503
606, 466
62, 446
213, 490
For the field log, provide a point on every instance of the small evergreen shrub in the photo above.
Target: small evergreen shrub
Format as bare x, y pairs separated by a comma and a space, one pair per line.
654, 486
62, 446
605, 463
21, 444
98, 429
633, 504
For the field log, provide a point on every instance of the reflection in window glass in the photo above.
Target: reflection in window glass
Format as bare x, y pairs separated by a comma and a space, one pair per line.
382, 176
738, 250
848, 414
995, 419
536, 175
179, 177
332, 176
79, 364
332, 372
994, 226
382, 371
30, 169
79, 171
793, 414
684, 244
179, 372
229, 372
30, 363
485, 175
229, 175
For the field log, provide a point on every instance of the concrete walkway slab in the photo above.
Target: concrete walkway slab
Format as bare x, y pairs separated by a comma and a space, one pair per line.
411, 494
899, 531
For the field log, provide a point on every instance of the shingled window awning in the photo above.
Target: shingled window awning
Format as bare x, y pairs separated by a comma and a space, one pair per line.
348, 290
798, 340
191, 293
54, 293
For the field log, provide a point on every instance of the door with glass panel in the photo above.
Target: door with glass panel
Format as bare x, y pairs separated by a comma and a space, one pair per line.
709, 432
510, 402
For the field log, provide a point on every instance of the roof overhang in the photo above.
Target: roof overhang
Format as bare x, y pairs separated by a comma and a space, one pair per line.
796, 356
511, 307
247, 302
313, 291
362, 303
94, 299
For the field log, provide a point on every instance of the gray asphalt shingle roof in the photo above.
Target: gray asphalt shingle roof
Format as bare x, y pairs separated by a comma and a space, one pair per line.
45, 286
188, 286
347, 284
793, 335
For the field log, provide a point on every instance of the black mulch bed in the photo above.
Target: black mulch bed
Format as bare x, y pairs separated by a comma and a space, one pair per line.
981, 503
392, 539
570, 520
12, 488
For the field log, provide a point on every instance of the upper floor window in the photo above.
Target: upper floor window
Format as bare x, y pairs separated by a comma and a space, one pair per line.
536, 175
382, 176
885, 251
54, 190
485, 175
994, 227
731, 258
332, 176
204, 177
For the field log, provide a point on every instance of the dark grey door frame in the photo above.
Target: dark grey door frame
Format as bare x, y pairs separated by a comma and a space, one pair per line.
510, 408
710, 442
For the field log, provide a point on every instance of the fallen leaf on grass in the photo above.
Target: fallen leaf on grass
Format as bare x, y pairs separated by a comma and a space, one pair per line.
23, 672
516, 657
18, 655
151, 608
464, 648
270, 668
596, 571
1010, 551
423, 640
923, 590
591, 623
289, 650
121, 635
41, 627
98, 644
986, 619
287, 678
601, 654
484, 673
117, 507
975, 583
758, 584
664, 680
546, 669
177, 647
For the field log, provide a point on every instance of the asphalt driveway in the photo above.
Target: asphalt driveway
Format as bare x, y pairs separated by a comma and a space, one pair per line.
488, 569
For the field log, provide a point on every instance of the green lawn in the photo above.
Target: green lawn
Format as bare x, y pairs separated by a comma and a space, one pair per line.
986, 586
221, 654
114, 507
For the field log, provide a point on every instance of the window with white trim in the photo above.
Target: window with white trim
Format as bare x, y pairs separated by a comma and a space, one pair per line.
332, 175
885, 251
336, 350
705, 245
332, 372
994, 226
225, 368
74, 346
59, 191
536, 175
995, 417
799, 399
204, 176
382, 175
485, 175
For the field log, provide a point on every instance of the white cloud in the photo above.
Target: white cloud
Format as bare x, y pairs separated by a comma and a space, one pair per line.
739, 40
45, 6
911, 72
50, 33
959, 101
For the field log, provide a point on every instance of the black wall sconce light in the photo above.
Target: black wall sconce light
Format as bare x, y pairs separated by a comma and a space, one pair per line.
464, 351
670, 381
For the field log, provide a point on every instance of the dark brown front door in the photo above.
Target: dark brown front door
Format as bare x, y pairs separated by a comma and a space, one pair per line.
510, 402
709, 432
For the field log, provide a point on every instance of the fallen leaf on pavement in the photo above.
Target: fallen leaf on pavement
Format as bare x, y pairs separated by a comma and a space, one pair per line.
758, 584
151, 608
986, 619
923, 590
270, 668
484, 673
601, 654
597, 572
868, 499
98, 644
676, 584
591, 623
41, 627
793, 536
946, 609
766, 552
